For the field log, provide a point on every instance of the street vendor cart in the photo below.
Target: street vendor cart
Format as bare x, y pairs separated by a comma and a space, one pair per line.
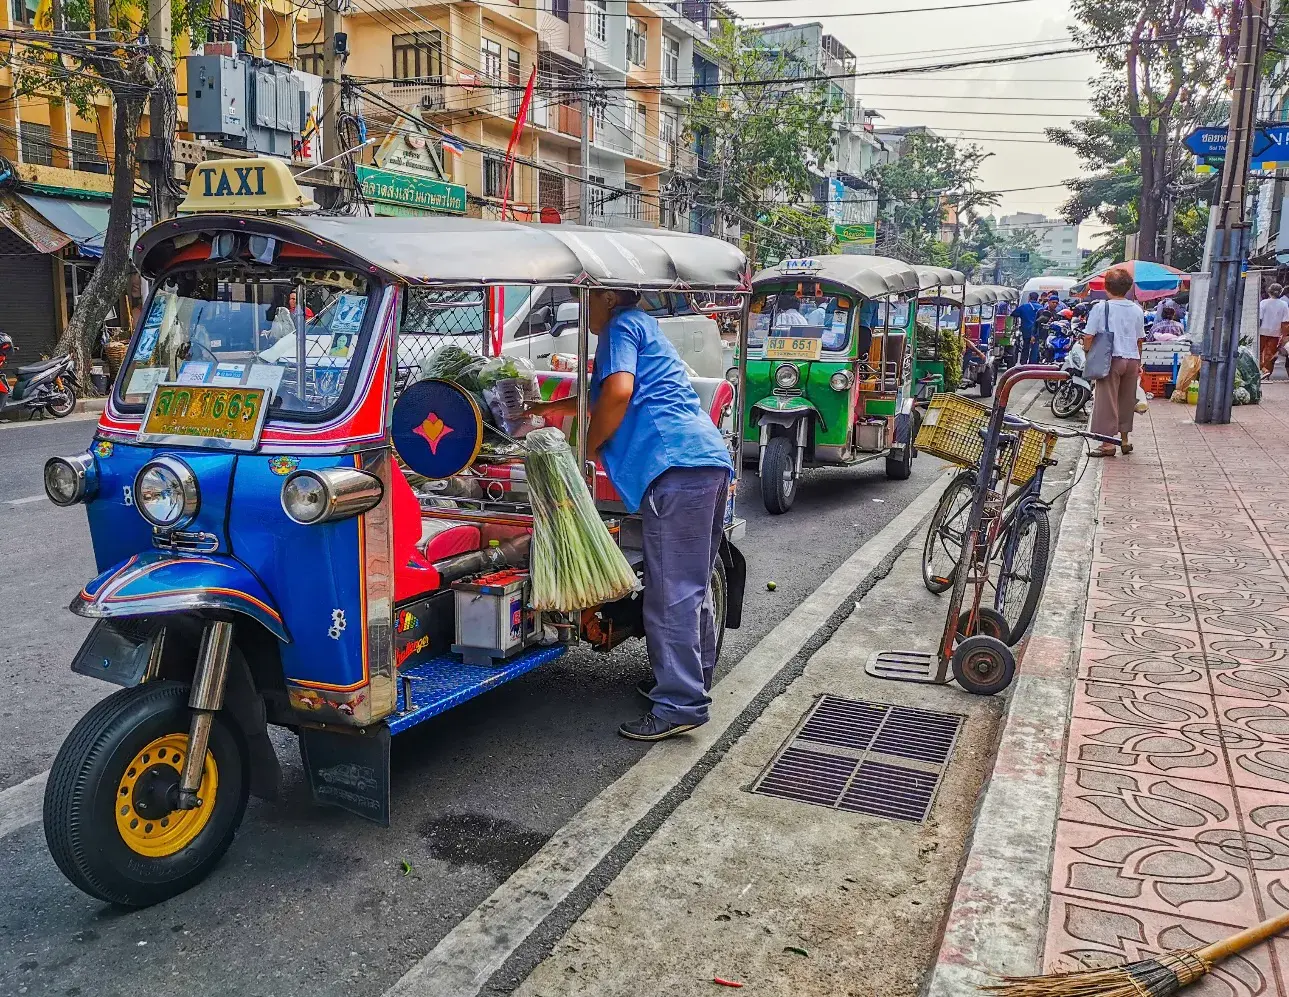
297, 523
829, 376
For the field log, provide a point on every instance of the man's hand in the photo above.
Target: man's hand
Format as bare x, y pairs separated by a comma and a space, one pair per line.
554, 411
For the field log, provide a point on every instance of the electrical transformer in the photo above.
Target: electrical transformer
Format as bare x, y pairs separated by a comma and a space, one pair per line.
245, 103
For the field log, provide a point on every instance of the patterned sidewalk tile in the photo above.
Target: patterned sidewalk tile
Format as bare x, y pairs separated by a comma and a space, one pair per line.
1248, 667
1083, 934
1262, 765
1261, 564
1186, 752
1147, 804
1267, 580
1177, 615
1152, 872
1129, 656
1113, 702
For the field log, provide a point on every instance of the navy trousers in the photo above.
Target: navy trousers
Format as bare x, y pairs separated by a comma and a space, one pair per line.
683, 515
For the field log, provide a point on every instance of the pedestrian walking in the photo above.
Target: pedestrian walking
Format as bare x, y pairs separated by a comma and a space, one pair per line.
1273, 326
1113, 341
1027, 313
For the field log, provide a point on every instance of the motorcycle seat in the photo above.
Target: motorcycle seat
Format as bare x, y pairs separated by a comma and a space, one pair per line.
39, 367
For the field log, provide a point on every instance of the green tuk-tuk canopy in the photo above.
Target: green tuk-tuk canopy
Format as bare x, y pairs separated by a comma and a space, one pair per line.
469, 251
934, 277
870, 276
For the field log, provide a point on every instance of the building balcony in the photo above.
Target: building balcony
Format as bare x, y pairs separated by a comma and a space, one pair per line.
681, 158
415, 96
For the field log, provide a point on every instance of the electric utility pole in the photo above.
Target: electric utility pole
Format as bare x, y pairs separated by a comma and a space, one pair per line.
332, 36
162, 105
1231, 233
584, 202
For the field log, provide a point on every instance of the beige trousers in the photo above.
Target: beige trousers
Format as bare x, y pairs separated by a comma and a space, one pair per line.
1114, 398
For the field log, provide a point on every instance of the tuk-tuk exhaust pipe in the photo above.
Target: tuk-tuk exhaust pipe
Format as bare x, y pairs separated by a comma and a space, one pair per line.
205, 698
512, 553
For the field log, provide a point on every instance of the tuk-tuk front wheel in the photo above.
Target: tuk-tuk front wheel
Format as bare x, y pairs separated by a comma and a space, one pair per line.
985, 380
111, 819
778, 475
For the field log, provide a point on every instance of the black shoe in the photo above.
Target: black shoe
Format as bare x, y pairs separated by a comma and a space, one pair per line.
645, 687
650, 728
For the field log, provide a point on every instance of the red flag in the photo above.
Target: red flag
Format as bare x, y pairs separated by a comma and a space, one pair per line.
520, 118
497, 317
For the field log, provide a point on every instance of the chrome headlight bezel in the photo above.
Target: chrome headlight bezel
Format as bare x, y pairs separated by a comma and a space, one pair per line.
184, 481
340, 492
841, 380
84, 476
787, 376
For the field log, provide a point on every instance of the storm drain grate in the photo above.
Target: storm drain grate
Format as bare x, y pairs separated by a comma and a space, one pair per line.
869, 758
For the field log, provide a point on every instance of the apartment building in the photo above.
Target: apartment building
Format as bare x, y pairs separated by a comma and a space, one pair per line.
1057, 239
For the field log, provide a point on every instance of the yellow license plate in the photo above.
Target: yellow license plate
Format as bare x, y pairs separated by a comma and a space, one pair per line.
793, 348
229, 418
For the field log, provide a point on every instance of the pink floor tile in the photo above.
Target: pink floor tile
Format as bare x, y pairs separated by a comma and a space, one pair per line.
1263, 844
1115, 702
1248, 667
1147, 804
1264, 765
1271, 626
1259, 563
1087, 935
1153, 872
1169, 616
1266, 580
1186, 752
1267, 723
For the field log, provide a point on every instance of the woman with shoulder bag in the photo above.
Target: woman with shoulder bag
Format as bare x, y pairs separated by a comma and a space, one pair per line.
1113, 341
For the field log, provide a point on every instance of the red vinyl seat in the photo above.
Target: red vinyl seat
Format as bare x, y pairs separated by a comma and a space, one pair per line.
413, 572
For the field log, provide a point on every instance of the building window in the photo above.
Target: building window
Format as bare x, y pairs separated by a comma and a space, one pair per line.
490, 58
20, 12
514, 96
85, 153
668, 126
557, 7
632, 201
417, 57
37, 143
636, 41
596, 195
670, 59
599, 24
494, 174
550, 190
600, 112
308, 58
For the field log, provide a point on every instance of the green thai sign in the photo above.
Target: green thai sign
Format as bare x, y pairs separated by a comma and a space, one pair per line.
863, 235
409, 193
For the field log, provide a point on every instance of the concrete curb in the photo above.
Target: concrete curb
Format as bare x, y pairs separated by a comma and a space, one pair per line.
82, 405
997, 922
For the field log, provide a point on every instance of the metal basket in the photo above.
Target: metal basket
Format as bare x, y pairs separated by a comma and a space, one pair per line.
953, 430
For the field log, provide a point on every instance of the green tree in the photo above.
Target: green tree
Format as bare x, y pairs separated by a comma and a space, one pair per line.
915, 190
761, 144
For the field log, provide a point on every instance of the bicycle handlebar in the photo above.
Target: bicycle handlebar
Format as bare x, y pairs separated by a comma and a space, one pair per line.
1026, 372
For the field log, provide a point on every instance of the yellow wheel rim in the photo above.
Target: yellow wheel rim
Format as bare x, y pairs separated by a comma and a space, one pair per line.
159, 835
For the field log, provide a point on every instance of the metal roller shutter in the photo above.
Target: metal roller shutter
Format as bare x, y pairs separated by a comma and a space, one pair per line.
26, 299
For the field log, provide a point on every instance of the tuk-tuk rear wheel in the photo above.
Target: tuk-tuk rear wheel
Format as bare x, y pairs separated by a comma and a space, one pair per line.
899, 461
100, 771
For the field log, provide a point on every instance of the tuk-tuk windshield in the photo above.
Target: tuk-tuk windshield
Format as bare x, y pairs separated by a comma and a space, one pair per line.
823, 316
948, 315
300, 335
893, 314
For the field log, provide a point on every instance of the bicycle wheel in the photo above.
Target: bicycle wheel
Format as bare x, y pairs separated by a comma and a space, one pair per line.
1021, 576
943, 544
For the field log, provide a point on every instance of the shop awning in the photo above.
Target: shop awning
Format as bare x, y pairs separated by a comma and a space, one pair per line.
29, 226
83, 222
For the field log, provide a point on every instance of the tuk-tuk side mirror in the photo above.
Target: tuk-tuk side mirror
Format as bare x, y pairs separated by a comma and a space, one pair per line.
540, 318
568, 313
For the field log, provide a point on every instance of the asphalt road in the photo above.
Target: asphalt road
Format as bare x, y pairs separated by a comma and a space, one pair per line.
313, 901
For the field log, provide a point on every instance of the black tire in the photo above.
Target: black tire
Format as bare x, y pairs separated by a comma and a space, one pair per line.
985, 380
63, 403
1020, 586
82, 795
778, 477
720, 589
899, 462
942, 547
983, 665
1068, 400
1051, 386
989, 622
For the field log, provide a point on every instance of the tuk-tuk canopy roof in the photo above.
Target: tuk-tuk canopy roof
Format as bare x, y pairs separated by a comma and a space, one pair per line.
932, 277
1004, 292
981, 294
871, 276
469, 251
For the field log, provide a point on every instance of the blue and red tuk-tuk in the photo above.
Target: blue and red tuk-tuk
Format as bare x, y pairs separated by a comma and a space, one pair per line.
292, 526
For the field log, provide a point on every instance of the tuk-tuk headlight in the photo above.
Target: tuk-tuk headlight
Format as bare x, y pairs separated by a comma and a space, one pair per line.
166, 493
841, 381
731, 375
69, 480
310, 497
786, 375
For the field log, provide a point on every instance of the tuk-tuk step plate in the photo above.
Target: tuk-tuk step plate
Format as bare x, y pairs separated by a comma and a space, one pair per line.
907, 666
446, 681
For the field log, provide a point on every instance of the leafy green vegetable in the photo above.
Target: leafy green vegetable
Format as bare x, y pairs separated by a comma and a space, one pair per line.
495, 372
574, 562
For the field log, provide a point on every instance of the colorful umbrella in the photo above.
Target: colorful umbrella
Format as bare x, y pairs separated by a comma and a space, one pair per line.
1150, 281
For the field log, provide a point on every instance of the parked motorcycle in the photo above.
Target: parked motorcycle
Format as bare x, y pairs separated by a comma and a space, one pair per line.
1073, 395
46, 386
1060, 337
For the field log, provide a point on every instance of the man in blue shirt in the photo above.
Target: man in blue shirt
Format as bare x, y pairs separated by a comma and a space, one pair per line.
667, 460
1028, 313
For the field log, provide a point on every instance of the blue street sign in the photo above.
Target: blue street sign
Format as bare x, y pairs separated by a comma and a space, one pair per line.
1207, 143
1270, 146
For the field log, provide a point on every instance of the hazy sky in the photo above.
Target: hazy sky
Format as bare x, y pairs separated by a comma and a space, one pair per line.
1002, 108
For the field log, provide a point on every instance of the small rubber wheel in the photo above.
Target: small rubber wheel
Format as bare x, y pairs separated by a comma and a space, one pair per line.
983, 665
778, 476
110, 817
988, 621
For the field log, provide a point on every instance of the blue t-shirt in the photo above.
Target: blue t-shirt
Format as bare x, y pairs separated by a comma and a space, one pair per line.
1027, 313
664, 425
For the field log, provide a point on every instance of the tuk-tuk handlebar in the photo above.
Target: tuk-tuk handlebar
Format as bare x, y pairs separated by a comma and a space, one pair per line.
1027, 372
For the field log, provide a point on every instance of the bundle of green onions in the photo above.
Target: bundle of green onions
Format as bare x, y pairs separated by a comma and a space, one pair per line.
574, 562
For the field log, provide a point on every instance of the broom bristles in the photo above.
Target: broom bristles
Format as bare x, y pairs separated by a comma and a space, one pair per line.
1149, 978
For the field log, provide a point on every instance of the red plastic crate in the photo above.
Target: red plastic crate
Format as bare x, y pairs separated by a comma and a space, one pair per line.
1152, 382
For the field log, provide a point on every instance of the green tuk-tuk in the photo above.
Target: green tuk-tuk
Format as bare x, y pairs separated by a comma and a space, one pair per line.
937, 353
828, 380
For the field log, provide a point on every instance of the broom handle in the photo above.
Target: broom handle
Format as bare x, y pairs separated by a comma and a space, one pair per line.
1244, 939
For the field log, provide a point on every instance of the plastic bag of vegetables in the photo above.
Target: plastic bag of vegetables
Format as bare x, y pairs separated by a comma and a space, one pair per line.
509, 386
452, 363
574, 562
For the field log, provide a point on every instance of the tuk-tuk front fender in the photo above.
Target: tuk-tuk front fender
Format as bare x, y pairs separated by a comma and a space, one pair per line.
156, 582
785, 410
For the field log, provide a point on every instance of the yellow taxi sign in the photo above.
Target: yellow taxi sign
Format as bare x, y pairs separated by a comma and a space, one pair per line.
258, 184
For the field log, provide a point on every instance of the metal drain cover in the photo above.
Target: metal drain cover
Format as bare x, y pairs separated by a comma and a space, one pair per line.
869, 758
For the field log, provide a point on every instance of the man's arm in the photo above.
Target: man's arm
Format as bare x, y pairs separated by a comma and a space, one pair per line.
610, 409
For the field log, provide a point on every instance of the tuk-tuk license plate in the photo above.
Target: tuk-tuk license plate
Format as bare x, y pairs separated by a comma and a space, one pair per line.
224, 418
793, 348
